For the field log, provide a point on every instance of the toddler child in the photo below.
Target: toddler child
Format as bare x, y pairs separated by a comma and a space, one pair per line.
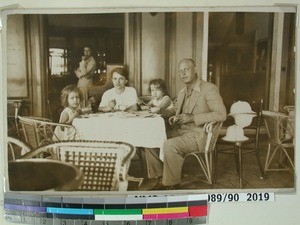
160, 99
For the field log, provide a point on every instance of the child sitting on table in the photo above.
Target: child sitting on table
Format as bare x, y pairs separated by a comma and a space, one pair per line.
70, 100
160, 99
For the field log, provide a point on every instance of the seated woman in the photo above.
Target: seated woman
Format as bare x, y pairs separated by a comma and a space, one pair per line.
120, 97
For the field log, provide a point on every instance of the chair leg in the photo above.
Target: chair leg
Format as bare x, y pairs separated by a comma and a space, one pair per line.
270, 157
215, 166
203, 163
288, 157
267, 158
259, 163
207, 162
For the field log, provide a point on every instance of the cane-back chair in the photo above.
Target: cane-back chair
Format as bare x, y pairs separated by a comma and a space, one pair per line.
281, 140
39, 131
104, 164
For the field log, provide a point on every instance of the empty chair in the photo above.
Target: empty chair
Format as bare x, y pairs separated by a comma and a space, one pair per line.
40, 131
104, 164
16, 148
281, 140
248, 146
205, 156
289, 109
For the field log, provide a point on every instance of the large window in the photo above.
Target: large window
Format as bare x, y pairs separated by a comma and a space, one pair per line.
58, 62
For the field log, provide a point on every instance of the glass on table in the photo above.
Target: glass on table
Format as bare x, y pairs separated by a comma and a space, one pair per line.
86, 110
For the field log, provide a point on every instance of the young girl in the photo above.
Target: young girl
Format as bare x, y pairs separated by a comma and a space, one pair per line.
70, 99
160, 100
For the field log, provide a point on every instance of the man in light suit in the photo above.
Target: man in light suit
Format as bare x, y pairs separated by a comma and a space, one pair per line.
197, 103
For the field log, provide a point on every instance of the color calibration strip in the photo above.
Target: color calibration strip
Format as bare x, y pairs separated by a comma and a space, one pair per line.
165, 210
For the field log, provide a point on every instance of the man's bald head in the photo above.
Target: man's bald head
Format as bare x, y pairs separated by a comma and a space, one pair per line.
188, 61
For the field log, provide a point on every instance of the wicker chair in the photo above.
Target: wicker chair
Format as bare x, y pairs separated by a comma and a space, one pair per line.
16, 148
39, 131
205, 158
104, 164
281, 140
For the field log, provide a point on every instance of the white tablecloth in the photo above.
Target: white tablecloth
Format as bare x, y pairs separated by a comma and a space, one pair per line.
138, 131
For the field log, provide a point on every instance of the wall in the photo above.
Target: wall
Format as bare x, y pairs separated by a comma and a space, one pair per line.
16, 56
153, 49
184, 42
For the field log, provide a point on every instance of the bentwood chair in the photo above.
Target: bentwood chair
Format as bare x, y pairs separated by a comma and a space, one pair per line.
16, 148
205, 157
251, 146
281, 141
39, 131
104, 164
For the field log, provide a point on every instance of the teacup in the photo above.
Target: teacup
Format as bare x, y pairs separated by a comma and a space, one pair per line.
86, 110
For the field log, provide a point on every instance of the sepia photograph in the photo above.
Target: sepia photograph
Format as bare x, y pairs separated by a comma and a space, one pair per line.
150, 101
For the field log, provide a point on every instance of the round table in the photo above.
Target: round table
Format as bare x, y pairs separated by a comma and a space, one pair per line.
43, 174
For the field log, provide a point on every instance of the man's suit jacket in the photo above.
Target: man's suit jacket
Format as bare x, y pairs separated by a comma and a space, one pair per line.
206, 106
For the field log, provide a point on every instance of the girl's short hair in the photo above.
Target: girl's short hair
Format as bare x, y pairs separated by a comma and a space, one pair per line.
160, 83
122, 71
65, 93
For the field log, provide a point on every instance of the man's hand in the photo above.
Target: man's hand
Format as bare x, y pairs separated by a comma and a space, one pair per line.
184, 118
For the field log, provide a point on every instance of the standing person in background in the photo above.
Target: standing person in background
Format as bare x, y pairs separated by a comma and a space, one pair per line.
85, 73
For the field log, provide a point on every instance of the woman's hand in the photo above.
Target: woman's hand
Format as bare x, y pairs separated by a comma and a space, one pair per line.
112, 103
154, 109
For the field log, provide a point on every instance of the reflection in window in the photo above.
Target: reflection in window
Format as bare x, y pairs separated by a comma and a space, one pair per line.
58, 61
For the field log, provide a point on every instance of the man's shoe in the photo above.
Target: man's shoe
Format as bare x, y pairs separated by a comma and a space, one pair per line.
160, 186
